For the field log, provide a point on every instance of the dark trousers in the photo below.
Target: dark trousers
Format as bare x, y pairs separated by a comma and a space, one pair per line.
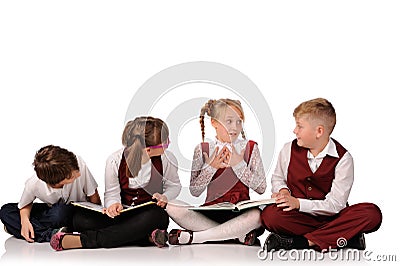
324, 231
43, 218
130, 228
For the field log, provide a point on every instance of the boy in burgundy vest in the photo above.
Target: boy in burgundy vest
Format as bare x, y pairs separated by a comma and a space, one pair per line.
311, 184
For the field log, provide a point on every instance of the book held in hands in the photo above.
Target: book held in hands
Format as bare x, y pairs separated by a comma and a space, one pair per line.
242, 205
101, 209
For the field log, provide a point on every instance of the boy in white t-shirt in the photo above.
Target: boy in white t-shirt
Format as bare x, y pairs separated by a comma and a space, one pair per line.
60, 177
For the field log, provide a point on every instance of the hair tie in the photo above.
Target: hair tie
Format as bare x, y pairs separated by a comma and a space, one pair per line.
138, 137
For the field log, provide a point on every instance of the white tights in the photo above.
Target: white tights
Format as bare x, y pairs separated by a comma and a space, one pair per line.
205, 229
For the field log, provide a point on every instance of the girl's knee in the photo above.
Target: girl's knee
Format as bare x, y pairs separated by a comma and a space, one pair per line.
159, 215
176, 211
254, 215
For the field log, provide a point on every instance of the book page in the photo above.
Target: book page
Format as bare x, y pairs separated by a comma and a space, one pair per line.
257, 202
217, 206
128, 208
89, 205
253, 203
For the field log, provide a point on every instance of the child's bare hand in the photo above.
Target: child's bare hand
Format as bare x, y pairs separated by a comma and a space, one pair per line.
235, 157
161, 200
281, 192
27, 231
219, 159
274, 195
287, 202
114, 210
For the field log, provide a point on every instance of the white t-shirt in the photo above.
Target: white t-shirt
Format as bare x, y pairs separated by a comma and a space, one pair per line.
83, 186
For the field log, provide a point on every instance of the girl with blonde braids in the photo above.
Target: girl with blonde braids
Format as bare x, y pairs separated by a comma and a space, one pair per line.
227, 168
143, 170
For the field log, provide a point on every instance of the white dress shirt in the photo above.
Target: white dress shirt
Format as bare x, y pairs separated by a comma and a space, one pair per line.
337, 198
171, 182
83, 186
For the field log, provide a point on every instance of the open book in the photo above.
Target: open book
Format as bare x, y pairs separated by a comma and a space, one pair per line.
235, 207
101, 209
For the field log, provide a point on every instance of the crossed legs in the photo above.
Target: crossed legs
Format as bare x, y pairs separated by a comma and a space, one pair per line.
205, 229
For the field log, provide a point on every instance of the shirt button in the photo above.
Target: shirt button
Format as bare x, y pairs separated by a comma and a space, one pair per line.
309, 188
308, 179
310, 198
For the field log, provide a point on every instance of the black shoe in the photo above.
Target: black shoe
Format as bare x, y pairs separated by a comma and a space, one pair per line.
276, 242
356, 242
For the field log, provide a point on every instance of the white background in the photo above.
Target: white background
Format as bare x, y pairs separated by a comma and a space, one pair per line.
69, 69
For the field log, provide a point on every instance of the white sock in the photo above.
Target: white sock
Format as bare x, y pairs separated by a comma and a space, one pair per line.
237, 227
188, 219
205, 229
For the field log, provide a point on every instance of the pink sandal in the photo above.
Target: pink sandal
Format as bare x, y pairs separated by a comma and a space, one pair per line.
57, 238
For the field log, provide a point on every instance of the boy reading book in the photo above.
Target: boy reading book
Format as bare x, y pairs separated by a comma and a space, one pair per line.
60, 177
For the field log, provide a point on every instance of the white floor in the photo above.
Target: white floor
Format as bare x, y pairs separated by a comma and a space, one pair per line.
18, 251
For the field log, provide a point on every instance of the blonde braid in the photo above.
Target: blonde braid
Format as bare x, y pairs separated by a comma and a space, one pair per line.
206, 109
243, 136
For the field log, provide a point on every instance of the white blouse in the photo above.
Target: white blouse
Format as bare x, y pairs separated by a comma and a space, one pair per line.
171, 182
252, 175
83, 186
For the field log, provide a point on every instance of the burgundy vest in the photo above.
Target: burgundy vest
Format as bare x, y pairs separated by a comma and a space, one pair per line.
225, 186
305, 184
144, 194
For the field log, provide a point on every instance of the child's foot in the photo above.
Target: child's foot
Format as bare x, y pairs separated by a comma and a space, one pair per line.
62, 241
159, 238
63, 229
276, 242
180, 237
249, 239
357, 242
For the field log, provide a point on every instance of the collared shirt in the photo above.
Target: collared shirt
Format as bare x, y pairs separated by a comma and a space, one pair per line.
83, 186
315, 162
252, 175
337, 198
171, 182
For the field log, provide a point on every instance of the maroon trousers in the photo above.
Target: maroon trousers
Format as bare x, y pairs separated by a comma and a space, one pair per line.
324, 231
